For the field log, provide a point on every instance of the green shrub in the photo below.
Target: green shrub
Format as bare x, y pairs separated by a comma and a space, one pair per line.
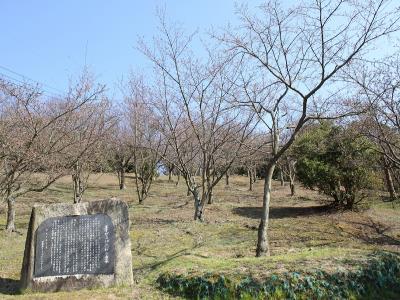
379, 278
337, 162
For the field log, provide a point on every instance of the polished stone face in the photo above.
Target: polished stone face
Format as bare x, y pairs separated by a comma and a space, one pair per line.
72, 245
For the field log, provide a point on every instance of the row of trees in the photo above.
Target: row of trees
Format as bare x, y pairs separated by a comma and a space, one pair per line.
279, 71
43, 139
241, 101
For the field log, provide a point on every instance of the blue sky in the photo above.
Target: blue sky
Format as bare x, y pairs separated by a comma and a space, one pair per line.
50, 41
47, 40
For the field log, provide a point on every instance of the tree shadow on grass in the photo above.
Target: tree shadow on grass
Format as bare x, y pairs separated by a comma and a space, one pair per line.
9, 286
16, 231
155, 221
376, 235
157, 264
282, 212
105, 187
146, 268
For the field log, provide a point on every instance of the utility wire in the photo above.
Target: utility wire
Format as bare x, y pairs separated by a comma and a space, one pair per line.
30, 79
22, 83
52, 93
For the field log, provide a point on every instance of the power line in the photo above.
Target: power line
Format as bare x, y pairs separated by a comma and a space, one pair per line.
29, 79
12, 78
23, 83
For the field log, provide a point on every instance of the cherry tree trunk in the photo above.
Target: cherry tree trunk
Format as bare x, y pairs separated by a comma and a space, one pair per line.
198, 206
210, 197
250, 180
122, 179
10, 227
169, 175
227, 178
281, 177
262, 242
390, 185
292, 188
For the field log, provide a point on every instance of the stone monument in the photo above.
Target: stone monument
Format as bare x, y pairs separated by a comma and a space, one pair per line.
73, 246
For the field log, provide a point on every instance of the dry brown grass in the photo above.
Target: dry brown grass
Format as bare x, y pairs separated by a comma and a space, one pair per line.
304, 234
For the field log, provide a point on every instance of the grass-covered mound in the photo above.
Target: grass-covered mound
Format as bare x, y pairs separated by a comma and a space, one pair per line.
379, 278
304, 235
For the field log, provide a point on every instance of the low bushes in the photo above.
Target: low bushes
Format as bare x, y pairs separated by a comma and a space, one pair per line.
379, 278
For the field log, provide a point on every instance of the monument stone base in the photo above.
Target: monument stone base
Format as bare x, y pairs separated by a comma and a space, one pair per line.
74, 246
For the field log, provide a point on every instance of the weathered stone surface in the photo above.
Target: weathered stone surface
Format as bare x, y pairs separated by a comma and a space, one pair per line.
75, 245
57, 258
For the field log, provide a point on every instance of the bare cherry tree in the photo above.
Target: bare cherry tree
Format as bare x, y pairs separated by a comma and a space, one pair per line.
379, 85
147, 144
288, 168
253, 156
88, 128
295, 56
120, 150
198, 120
33, 141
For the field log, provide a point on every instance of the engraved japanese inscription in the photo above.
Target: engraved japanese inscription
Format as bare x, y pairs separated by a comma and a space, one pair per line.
73, 245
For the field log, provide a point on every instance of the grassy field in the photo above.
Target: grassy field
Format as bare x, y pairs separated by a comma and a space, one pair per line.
304, 235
